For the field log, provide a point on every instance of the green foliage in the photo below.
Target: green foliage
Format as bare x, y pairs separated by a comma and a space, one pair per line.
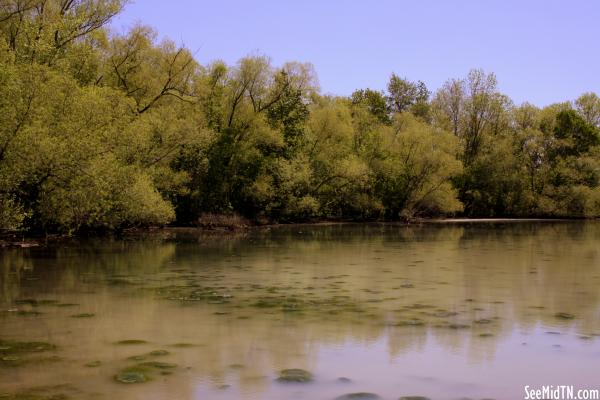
103, 131
413, 175
374, 102
575, 135
588, 106
44, 31
404, 94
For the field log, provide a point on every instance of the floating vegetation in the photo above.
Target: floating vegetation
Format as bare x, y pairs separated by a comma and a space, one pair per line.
157, 353
154, 353
57, 392
358, 396
143, 372
93, 364
277, 298
418, 306
15, 353
28, 313
564, 315
35, 302
444, 314
184, 345
24, 347
131, 342
414, 398
295, 375
120, 282
458, 326
157, 365
131, 376
9, 360
83, 315
138, 358
409, 322
193, 293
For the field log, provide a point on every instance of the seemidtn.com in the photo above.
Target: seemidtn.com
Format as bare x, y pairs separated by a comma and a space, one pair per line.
560, 392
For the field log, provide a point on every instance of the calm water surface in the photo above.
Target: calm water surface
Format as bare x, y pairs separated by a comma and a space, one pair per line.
444, 311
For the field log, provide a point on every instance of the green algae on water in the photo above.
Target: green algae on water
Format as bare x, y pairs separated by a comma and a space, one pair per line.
131, 342
295, 375
144, 357
358, 396
56, 392
184, 345
414, 398
83, 315
156, 353
157, 365
28, 313
130, 376
564, 315
10, 347
93, 364
143, 372
36, 302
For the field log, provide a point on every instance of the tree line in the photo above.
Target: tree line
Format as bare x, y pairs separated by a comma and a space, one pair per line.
101, 130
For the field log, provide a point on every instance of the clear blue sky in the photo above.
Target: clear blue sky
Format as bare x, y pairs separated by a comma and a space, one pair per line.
542, 51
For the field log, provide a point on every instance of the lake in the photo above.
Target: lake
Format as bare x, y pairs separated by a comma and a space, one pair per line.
445, 311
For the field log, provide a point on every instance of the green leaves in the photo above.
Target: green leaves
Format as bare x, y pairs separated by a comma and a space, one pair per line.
104, 131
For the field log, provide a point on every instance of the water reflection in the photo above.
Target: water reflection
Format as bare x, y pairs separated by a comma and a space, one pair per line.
441, 310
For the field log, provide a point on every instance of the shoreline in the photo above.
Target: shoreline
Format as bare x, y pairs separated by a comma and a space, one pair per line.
22, 240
